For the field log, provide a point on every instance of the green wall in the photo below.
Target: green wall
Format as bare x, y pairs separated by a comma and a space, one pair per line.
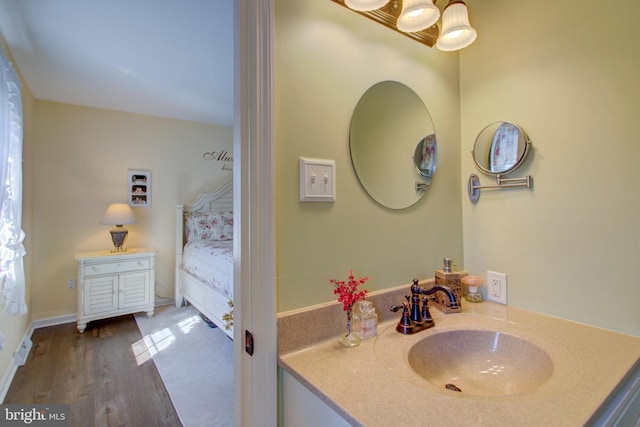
569, 76
569, 246
326, 58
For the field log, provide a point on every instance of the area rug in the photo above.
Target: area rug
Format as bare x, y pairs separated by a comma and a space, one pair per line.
195, 362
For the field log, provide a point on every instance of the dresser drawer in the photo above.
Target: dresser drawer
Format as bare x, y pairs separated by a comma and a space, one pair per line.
116, 267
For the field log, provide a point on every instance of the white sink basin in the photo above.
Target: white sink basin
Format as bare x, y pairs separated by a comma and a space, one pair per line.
478, 357
481, 362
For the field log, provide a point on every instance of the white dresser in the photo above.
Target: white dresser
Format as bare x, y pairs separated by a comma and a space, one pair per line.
113, 284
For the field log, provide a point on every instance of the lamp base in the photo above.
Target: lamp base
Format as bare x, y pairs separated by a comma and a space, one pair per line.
118, 236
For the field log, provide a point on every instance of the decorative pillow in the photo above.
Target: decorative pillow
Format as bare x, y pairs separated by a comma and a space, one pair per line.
209, 226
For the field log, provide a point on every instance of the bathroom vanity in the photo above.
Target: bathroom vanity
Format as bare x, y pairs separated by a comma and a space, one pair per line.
490, 364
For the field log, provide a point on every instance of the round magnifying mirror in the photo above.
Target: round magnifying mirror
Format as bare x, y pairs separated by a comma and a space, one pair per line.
387, 124
424, 158
501, 148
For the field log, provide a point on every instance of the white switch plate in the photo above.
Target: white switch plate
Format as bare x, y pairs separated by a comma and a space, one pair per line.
497, 287
317, 180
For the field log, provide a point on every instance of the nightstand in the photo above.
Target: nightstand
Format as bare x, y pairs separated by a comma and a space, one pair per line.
113, 284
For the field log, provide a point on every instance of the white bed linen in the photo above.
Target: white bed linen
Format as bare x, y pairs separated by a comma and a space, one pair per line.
212, 262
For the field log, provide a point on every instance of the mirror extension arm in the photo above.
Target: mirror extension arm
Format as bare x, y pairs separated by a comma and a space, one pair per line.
473, 186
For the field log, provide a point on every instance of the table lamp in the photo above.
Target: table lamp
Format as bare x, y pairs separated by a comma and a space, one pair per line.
118, 214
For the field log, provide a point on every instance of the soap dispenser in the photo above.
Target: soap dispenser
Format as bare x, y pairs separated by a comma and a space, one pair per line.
452, 280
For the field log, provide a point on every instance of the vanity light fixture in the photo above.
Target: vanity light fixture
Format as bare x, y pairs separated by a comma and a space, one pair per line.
365, 5
417, 19
456, 31
417, 15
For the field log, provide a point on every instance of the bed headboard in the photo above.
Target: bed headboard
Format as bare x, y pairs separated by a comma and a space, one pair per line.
220, 199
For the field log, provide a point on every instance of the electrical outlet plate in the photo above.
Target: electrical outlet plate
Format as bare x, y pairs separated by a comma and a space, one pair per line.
71, 283
497, 287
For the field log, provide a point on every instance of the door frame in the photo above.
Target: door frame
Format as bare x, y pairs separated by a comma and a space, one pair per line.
255, 377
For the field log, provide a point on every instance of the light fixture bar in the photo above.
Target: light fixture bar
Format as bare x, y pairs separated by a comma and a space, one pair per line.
388, 15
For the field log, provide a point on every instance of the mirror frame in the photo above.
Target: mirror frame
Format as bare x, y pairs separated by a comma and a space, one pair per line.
485, 140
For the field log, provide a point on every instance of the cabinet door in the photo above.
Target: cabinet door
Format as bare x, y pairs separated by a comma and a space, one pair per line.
100, 294
134, 289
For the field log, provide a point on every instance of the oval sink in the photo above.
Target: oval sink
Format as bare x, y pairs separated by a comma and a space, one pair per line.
481, 362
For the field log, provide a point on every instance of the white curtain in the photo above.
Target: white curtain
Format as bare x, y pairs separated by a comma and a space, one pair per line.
11, 234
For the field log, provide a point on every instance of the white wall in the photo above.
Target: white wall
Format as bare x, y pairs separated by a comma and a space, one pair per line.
569, 75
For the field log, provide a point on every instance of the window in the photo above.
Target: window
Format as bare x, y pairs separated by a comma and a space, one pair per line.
11, 234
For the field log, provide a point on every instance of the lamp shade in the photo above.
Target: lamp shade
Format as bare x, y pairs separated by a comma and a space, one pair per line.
417, 15
365, 5
457, 33
118, 214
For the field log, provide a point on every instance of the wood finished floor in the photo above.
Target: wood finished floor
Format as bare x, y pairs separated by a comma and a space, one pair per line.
96, 373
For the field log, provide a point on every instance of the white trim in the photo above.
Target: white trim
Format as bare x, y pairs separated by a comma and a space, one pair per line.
7, 379
255, 377
161, 302
51, 321
5, 383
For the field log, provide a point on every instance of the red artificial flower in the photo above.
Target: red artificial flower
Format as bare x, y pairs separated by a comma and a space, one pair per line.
347, 291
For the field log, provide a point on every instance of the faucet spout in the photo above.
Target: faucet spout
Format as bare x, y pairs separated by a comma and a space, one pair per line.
416, 318
415, 289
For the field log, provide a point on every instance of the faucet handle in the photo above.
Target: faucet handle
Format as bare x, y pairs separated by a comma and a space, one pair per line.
404, 326
397, 308
426, 314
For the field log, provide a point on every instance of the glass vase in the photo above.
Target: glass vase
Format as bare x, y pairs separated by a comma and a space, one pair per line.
350, 339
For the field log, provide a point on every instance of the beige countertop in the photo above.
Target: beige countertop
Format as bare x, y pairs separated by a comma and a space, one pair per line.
373, 385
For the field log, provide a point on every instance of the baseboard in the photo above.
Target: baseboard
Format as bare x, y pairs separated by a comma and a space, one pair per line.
52, 321
5, 383
159, 302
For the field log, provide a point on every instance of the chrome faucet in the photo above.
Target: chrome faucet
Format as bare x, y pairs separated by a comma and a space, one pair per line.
416, 317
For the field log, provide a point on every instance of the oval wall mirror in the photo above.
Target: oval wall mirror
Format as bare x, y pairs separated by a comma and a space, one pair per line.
501, 148
389, 127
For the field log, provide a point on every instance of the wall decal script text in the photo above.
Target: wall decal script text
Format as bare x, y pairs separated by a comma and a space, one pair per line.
222, 156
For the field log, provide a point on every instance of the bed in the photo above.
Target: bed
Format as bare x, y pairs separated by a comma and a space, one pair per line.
204, 256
